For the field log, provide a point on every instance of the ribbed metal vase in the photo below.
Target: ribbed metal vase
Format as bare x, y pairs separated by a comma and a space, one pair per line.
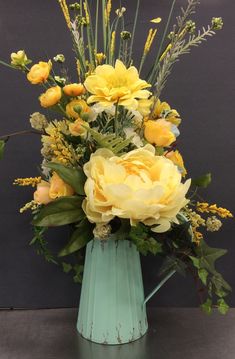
112, 309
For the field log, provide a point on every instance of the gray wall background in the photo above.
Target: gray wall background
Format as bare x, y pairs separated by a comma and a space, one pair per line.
201, 88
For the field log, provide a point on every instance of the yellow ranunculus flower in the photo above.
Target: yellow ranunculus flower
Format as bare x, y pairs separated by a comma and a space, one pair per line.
70, 108
173, 115
117, 85
177, 159
51, 97
74, 90
139, 186
158, 132
76, 128
39, 73
19, 58
58, 188
41, 195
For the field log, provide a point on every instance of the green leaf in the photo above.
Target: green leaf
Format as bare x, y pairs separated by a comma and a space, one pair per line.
207, 306
208, 256
79, 271
221, 293
172, 263
159, 151
75, 177
122, 232
80, 237
202, 181
220, 283
143, 241
67, 267
2, 147
203, 274
222, 306
196, 261
64, 210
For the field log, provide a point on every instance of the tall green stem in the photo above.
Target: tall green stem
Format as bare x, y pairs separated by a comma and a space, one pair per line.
116, 127
97, 25
152, 74
134, 29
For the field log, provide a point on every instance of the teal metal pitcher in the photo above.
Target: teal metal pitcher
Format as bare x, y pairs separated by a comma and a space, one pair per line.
112, 306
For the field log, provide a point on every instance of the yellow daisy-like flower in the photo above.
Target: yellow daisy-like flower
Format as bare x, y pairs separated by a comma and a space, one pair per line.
117, 85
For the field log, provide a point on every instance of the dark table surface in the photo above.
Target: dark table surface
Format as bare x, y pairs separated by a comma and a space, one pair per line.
173, 334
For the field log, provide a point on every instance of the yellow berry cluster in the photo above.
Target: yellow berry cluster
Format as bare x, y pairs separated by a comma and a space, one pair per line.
29, 181
204, 207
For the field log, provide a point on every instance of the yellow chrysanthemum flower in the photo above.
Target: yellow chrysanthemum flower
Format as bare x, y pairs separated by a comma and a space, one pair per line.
117, 85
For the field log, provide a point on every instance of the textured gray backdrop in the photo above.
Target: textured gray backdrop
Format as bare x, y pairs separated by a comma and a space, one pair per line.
201, 88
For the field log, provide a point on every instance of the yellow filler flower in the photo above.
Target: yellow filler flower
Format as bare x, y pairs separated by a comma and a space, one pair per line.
117, 85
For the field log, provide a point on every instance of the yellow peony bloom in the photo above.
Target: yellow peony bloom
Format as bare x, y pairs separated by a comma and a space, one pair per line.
139, 186
51, 97
41, 195
39, 73
76, 128
117, 85
177, 159
58, 188
173, 115
159, 132
74, 90
81, 103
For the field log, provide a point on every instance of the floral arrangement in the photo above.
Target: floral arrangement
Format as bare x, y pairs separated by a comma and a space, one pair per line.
111, 167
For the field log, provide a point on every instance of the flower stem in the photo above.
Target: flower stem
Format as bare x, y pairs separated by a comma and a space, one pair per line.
25, 132
116, 120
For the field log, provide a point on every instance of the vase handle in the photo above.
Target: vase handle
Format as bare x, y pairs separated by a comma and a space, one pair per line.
156, 289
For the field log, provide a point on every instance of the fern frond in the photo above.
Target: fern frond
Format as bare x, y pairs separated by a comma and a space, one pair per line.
110, 141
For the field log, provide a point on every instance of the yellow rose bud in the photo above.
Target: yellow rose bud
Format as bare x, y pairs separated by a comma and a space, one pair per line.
58, 188
41, 195
159, 132
172, 115
74, 90
70, 108
177, 159
76, 128
39, 73
51, 97
19, 58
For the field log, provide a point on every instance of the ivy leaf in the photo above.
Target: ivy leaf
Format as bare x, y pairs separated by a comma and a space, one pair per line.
222, 306
202, 181
207, 306
64, 210
220, 283
196, 261
75, 177
67, 267
208, 256
2, 147
122, 232
143, 241
173, 263
80, 237
221, 293
203, 274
